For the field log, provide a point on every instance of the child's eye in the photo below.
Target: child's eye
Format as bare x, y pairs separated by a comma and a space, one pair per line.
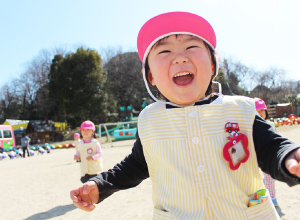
164, 51
190, 47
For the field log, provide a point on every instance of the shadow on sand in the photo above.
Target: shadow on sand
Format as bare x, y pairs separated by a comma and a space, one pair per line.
280, 213
54, 212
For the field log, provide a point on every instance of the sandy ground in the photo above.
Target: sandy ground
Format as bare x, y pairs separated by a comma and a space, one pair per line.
38, 188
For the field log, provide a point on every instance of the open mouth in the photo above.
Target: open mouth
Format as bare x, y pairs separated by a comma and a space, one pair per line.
183, 78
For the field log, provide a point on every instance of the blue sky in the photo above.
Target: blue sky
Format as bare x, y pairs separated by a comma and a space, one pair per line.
258, 33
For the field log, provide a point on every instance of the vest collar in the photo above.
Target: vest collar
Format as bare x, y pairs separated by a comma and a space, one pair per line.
207, 100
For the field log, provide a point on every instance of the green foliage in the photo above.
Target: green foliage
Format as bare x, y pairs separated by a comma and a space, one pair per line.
221, 78
78, 84
229, 83
230, 76
263, 93
126, 81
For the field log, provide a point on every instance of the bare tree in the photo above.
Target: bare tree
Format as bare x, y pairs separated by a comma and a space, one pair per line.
272, 77
9, 105
270, 85
110, 52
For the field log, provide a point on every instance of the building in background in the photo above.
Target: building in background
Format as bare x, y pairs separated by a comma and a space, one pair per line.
42, 131
19, 127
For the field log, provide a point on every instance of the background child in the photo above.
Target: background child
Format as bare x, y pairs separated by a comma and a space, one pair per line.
182, 144
89, 150
12, 154
4, 155
261, 108
19, 153
25, 140
77, 137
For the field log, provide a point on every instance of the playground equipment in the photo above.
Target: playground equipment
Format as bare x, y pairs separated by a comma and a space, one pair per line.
58, 146
290, 120
294, 119
280, 110
124, 134
119, 126
126, 129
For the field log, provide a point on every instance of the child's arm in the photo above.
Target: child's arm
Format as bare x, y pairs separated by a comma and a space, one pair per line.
272, 151
98, 153
127, 174
77, 155
85, 196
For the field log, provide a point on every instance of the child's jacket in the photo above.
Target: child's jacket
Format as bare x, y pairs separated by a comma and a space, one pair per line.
182, 151
89, 149
183, 148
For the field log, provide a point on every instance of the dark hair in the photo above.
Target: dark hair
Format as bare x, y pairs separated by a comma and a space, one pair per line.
267, 115
209, 88
214, 62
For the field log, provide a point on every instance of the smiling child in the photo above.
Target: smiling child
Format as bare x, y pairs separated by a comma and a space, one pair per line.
198, 168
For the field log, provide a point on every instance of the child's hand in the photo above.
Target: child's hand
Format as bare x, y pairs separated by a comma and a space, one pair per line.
85, 196
76, 157
89, 158
292, 163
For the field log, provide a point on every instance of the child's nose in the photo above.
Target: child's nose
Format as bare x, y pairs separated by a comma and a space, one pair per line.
180, 58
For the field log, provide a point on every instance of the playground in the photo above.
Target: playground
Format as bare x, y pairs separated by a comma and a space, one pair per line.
38, 187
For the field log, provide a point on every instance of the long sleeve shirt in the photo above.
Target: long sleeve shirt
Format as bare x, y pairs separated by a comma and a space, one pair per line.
270, 147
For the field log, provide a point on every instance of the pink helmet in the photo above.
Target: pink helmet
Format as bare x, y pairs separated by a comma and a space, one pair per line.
76, 135
88, 125
260, 104
171, 23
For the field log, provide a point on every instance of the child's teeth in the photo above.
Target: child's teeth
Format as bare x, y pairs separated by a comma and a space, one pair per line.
182, 74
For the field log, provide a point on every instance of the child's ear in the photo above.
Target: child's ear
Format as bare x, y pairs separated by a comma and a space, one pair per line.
150, 78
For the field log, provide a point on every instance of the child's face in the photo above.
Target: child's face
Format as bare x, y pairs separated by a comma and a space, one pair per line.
181, 68
87, 133
262, 113
76, 138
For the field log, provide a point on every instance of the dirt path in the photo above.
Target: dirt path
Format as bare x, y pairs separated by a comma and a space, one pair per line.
38, 188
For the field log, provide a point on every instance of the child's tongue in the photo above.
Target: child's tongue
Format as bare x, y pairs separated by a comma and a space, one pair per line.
183, 80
